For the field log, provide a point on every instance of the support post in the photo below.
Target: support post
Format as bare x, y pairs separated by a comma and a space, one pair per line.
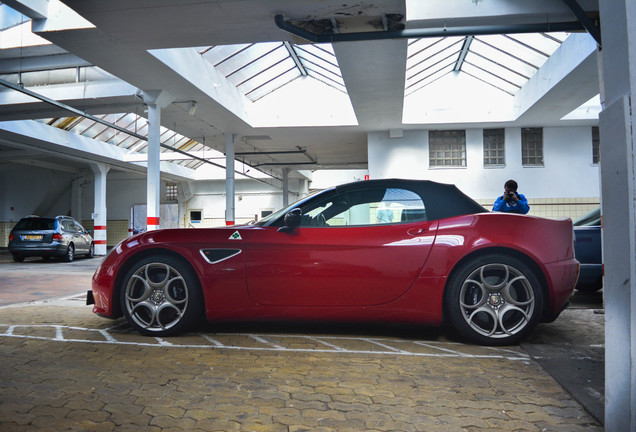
618, 199
99, 215
229, 179
153, 186
155, 100
285, 187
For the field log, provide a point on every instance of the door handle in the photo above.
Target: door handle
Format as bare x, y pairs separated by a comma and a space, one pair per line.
416, 231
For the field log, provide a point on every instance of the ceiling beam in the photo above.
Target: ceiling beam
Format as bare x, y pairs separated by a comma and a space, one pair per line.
41, 63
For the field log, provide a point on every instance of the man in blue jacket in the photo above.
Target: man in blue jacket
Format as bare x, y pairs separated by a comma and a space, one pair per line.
511, 201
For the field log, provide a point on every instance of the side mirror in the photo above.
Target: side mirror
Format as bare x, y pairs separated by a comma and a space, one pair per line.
291, 220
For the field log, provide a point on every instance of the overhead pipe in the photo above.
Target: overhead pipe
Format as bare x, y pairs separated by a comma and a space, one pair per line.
284, 164
271, 152
570, 26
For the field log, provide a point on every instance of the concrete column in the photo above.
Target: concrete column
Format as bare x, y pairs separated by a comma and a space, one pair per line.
155, 100
229, 179
131, 222
618, 200
285, 187
99, 215
153, 185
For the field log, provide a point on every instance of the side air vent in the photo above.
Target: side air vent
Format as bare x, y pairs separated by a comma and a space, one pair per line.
214, 256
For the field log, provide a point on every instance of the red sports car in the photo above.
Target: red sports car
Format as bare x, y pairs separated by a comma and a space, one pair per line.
402, 251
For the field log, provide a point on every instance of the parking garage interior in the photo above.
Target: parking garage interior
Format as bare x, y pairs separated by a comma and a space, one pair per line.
134, 116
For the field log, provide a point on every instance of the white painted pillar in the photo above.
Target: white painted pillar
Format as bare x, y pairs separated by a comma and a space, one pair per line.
153, 185
131, 222
99, 215
285, 187
229, 179
618, 199
155, 100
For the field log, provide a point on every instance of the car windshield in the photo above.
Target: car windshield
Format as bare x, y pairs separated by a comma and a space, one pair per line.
272, 217
593, 218
35, 224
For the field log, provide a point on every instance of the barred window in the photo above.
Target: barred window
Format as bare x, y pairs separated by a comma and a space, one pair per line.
494, 147
596, 141
447, 148
532, 146
171, 192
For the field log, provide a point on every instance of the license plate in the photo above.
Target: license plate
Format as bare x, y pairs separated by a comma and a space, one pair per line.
32, 237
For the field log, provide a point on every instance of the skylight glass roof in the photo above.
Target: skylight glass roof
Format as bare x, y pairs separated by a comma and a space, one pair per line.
259, 69
10, 18
15, 30
505, 62
137, 125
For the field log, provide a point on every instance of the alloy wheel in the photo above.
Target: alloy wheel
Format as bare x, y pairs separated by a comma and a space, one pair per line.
497, 300
156, 297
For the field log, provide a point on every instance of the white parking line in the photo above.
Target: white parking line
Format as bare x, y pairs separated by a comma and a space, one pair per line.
263, 341
336, 347
407, 347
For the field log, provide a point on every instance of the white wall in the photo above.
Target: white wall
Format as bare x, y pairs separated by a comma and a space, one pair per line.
26, 190
567, 172
323, 179
251, 198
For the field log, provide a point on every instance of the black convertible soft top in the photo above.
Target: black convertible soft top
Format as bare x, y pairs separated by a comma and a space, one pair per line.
441, 200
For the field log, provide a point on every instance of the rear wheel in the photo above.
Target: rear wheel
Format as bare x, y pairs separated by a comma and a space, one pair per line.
494, 300
161, 296
91, 251
70, 253
17, 258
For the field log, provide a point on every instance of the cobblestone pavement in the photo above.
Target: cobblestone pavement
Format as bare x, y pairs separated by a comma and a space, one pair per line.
66, 369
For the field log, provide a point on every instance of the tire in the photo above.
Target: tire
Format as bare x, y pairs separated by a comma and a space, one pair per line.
160, 296
587, 289
70, 253
91, 251
494, 300
17, 258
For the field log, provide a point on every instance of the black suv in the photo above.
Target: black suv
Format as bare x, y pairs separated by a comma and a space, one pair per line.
61, 236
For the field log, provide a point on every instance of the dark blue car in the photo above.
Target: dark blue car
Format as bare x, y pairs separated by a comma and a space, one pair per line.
587, 249
60, 236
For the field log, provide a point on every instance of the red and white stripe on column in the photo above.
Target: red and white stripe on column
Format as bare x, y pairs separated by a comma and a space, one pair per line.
152, 222
131, 225
99, 238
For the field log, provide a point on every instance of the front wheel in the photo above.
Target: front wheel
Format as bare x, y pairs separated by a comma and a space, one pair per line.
161, 296
494, 300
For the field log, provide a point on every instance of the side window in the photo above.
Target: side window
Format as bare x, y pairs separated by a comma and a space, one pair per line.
373, 206
67, 225
78, 227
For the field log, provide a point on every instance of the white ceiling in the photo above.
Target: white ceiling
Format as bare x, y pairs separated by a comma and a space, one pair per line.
140, 43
